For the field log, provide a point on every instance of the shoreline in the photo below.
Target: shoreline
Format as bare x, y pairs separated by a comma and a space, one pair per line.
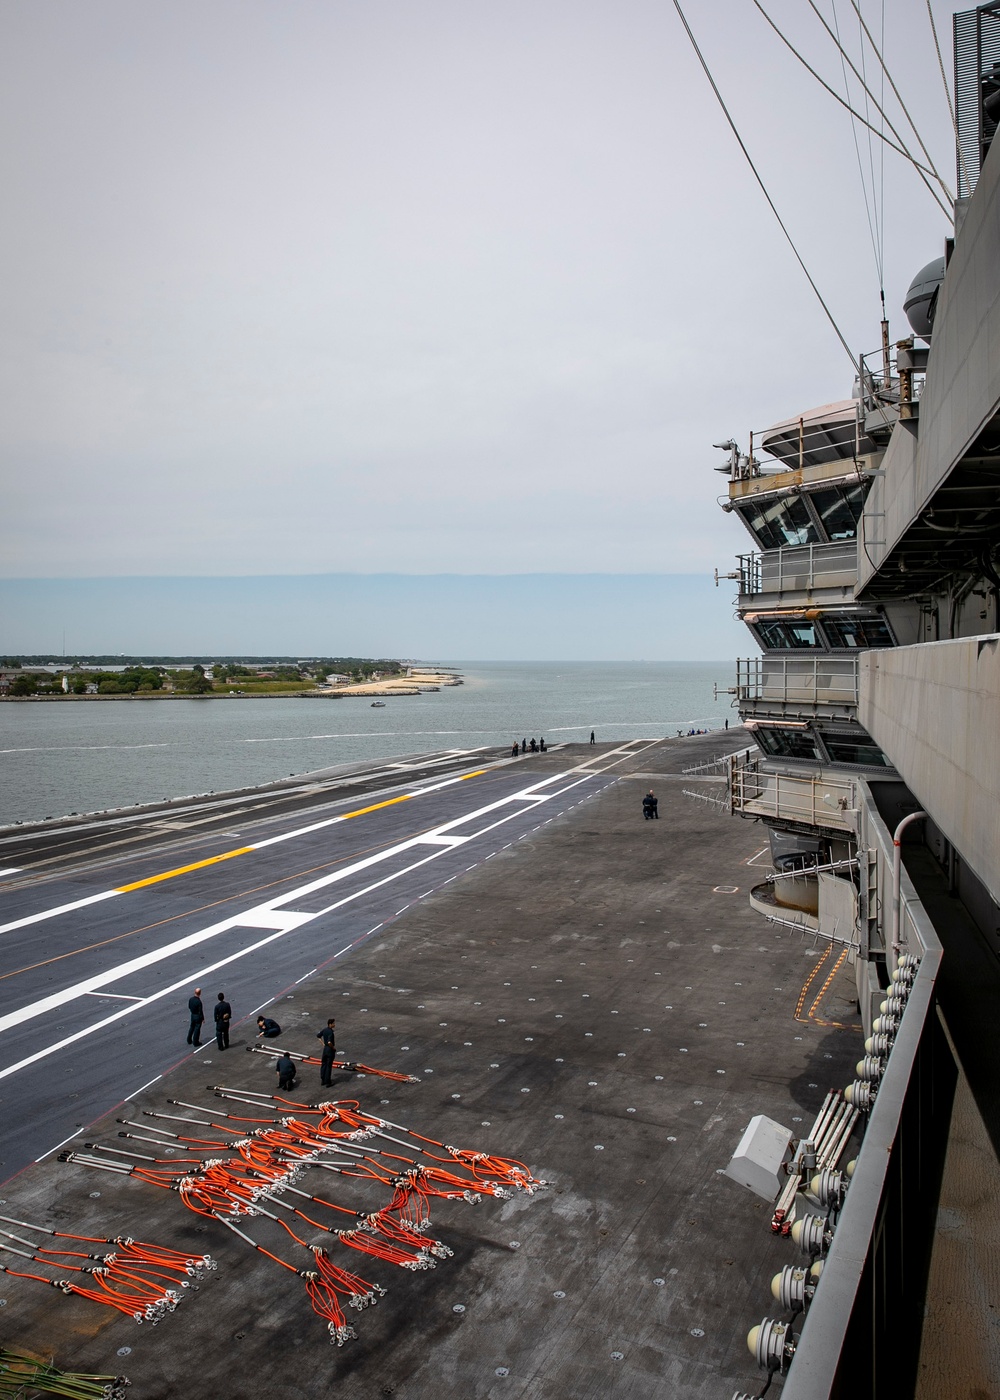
422, 684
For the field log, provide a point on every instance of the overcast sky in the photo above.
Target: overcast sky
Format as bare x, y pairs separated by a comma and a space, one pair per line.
522, 617
422, 286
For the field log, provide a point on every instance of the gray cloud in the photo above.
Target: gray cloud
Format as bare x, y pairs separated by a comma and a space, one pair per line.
362, 286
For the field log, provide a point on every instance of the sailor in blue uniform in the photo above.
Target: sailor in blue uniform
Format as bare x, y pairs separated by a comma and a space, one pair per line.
328, 1035
223, 1015
197, 1011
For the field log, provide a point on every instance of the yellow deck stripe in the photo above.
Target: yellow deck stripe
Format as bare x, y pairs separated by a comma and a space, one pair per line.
245, 850
182, 870
390, 803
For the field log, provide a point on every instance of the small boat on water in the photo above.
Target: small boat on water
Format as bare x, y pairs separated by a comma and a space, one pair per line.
378, 705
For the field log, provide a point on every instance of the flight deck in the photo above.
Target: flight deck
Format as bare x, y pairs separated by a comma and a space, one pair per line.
546, 978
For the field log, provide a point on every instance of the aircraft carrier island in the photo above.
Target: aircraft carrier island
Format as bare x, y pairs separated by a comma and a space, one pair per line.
555, 1019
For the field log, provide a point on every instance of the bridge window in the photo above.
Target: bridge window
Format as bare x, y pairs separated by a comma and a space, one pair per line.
851, 632
779, 522
855, 748
781, 635
839, 508
787, 743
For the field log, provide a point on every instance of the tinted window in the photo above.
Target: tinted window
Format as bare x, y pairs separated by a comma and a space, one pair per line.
857, 632
839, 508
787, 743
855, 748
781, 522
786, 636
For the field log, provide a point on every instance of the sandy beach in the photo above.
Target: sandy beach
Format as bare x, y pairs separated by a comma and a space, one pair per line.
397, 685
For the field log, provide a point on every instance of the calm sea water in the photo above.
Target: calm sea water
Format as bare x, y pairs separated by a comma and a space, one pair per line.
59, 758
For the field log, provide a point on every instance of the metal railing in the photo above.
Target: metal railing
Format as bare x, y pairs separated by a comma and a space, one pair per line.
815, 800
798, 680
874, 1276
891, 381
794, 445
799, 568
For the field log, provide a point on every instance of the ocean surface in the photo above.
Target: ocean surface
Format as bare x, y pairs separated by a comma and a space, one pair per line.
67, 757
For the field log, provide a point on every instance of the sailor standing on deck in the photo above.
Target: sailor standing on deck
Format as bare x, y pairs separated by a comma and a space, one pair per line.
197, 1011
223, 1015
328, 1035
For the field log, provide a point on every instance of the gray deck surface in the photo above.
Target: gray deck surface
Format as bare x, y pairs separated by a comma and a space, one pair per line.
636, 1016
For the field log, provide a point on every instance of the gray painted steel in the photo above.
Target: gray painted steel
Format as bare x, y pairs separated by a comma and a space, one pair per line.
962, 390
935, 709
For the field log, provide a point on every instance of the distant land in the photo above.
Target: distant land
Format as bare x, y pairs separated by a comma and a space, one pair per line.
42, 677
119, 659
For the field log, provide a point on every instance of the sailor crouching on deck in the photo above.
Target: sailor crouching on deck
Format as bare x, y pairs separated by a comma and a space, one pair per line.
285, 1068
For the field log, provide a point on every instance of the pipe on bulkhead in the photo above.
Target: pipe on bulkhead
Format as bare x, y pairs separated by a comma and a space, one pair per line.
897, 876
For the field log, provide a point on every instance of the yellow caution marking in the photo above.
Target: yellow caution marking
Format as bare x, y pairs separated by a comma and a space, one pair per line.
391, 802
182, 870
245, 850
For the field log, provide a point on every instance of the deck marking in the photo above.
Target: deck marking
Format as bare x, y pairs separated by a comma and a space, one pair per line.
144, 1086
71, 993
225, 855
136, 1006
182, 870
57, 1146
59, 909
531, 793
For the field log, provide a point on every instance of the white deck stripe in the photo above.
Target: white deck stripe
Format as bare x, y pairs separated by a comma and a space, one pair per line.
254, 846
76, 990
59, 909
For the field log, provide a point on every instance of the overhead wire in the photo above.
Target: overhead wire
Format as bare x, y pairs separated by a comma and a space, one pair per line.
871, 163
901, 149
757, 176
947, 98
881, 167
899, 98
922, 170
871, 207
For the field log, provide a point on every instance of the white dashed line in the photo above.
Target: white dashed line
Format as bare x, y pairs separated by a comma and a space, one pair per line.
57, 1147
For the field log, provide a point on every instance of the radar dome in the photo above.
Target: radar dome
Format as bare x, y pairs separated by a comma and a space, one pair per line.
921, 299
